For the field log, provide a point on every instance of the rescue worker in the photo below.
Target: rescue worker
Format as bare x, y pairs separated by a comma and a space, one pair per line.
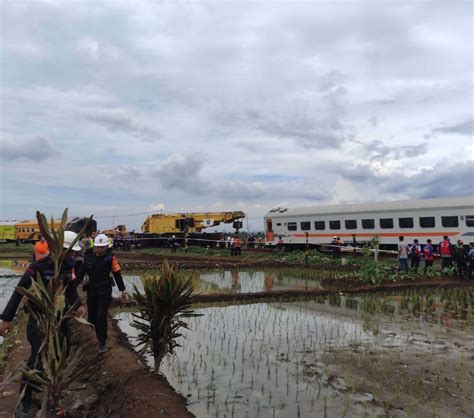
336, 249
429, 256
402, 255
415, 253
173, 244
42, 267
446, 252
98, 266
88, 244
471, 260
236, 245
41, 248
461, 256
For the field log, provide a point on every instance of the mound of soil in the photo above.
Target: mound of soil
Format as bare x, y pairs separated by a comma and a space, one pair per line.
116, 384
140, 261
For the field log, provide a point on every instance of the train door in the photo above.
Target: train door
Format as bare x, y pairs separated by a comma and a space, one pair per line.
269, 230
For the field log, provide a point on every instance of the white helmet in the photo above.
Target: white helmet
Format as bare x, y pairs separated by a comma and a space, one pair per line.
101, 240
69, 237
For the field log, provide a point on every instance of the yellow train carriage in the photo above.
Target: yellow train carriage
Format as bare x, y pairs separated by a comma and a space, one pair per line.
7, 231
29, 230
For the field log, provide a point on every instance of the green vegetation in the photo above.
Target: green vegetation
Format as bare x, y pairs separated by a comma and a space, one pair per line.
162, 308
58, 369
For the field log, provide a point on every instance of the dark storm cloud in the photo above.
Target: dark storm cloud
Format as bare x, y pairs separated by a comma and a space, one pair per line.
462, 128
117, 122
33, 149
378, 151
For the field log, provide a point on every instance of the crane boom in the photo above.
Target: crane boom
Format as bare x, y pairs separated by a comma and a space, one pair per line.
188, 222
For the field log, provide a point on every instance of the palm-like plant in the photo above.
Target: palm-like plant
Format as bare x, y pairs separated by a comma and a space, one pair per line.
162, 306
58, 370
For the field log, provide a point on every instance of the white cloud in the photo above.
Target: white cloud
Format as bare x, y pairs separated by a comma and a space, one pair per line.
234, 103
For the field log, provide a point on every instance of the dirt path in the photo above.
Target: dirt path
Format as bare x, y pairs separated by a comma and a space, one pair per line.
116, 384
9, 393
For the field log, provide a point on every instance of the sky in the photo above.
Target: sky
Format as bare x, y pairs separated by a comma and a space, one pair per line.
129, 107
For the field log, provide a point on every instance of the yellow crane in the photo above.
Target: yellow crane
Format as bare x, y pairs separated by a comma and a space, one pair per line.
190, 222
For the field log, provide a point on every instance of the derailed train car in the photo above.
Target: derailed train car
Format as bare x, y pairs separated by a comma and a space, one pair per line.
359, 223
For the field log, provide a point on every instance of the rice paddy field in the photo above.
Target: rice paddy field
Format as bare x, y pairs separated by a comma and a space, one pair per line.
287, 359
397, 354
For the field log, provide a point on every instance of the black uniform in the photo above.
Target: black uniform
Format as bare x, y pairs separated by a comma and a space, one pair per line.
43, 269
460, 256
99, 289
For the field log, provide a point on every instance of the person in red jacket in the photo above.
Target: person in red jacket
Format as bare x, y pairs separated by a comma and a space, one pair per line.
236, 245
445, 250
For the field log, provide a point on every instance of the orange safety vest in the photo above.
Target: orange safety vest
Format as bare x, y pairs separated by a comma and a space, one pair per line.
236, 242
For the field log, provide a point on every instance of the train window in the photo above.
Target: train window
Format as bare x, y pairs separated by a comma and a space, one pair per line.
469, 220
319, 225
291, 226
335, 224
427, 222
405, 222
449, 221
368, 223
386, 223
305, 226
351, 224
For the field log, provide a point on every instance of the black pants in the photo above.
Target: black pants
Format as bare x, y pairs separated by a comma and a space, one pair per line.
428, 265
415, 261
98, 307
470, 269
34, 361
462, 269
446, 262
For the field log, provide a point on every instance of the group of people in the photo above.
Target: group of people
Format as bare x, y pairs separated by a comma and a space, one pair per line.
457, 256
83, 263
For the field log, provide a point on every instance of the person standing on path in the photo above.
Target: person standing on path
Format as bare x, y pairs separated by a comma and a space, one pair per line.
445, 250
402, 255
428, 254
415, 252
470, 256
461, 256
42, 268
98, 266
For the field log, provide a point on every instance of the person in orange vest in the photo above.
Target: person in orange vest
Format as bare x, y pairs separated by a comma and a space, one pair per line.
236, 245
41, 249
445, 250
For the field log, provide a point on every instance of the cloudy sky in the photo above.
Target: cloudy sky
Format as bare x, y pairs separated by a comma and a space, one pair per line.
119, 107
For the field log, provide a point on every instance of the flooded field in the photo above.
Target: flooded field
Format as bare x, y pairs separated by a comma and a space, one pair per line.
277, 359
10, 272
227, 281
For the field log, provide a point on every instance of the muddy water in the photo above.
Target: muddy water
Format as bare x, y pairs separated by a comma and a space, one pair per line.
265, 359
10, 273
237, 282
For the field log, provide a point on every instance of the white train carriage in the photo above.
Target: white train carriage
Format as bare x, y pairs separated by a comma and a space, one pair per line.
423, 219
